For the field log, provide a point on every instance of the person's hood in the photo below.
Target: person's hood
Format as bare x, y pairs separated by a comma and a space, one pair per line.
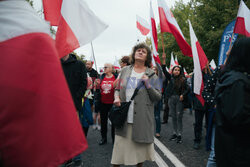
72, 58
228, 78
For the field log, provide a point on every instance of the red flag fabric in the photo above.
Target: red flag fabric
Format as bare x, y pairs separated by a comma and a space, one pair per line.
142, 25
242, 25
169, 24
154, 40
38, 121
200, 62
51, 10
77, 24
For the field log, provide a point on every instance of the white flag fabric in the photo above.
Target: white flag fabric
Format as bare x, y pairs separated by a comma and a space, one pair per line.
212, 64
242, 25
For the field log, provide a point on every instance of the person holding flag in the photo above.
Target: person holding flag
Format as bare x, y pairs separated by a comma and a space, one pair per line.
177, 90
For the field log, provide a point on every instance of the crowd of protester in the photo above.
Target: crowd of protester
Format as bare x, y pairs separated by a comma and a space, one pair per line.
226, 108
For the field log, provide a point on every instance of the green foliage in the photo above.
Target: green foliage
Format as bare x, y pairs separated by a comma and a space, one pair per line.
209, 19
80, 57
31, 2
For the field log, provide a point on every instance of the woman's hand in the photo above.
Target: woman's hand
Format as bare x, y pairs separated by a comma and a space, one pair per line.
117, 101
145, 79
181, 97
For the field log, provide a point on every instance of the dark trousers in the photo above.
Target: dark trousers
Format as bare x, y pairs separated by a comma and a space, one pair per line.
104, 111
157, 112
166, 111
85, 129
199, 115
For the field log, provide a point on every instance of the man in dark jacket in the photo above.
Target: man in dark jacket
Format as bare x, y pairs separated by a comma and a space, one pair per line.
76, 75
200, 112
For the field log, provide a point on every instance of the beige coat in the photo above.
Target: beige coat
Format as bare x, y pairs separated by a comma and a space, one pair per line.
143, 126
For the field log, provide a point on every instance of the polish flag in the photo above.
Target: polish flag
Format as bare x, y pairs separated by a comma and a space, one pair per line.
172, 62
176, 61
142, 25
116, 64
153, 60
92, 58
167, 69
169, 24
185, 73
77, 24
154, 35
39, 125
200, 62
212, 64
242, 25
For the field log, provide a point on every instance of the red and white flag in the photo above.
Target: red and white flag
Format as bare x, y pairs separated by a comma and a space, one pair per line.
116, 64
172, 62
212, 64
167, 69
200, 62
185, 73
153, 33
176, 61
169, 24
77, 24
142, 25
92, 57
242, 25
39, 125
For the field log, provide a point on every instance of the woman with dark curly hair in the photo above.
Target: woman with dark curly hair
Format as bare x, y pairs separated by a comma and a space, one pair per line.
134, 142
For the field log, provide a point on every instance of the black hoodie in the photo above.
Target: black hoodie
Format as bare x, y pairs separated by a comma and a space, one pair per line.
76, 75
232, 139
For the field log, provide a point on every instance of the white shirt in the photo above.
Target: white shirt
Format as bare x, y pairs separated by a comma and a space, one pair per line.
131, 86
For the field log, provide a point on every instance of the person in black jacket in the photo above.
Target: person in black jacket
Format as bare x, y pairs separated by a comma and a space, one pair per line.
199, 111
76, 76
232, 135
165, 84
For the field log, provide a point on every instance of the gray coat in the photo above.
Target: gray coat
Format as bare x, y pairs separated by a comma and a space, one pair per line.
143, 122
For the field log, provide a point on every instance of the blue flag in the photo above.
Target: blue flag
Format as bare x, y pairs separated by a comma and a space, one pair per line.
225, 41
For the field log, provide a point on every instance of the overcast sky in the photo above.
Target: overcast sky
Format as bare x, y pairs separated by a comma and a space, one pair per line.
121, 35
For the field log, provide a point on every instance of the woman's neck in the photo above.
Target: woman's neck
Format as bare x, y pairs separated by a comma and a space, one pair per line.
109, 75
139, 67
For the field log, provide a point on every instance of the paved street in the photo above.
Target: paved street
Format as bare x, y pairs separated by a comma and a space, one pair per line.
169, 154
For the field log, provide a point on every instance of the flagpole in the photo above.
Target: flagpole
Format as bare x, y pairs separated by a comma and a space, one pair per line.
231, 41
94, 56
163, 49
